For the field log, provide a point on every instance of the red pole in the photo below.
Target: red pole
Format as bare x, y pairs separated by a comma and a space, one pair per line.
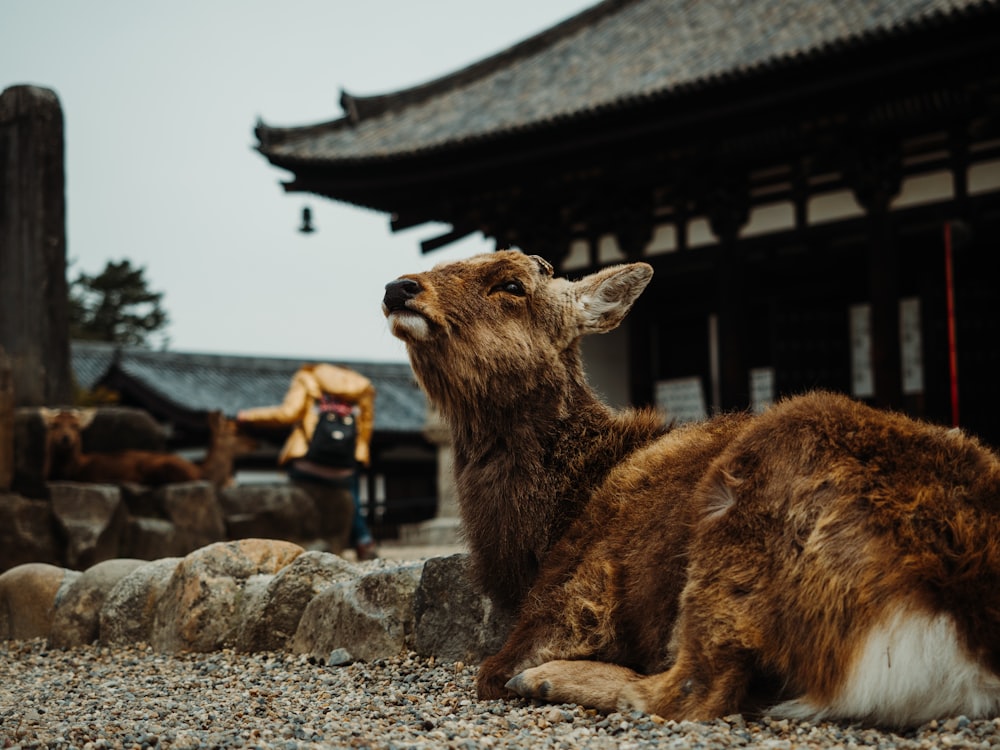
949, 277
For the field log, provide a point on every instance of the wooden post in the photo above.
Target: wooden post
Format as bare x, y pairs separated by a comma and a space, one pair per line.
874, 172
34, 315
729, 210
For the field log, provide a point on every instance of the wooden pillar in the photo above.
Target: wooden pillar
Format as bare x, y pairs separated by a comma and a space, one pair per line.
875, 174
883, 283
633, 223
34, 327
728, 212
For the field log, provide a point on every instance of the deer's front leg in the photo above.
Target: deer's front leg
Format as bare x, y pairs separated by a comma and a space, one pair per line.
575, 620
593, 684
533, 641
685, 691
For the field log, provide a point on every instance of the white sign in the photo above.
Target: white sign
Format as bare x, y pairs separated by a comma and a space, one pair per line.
862, 373
682, 399
761, 388
911, 348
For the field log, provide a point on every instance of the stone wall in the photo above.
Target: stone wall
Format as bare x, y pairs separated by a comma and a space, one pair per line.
258, 595
79, 525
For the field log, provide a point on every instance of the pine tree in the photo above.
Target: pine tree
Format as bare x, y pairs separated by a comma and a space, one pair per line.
115, 306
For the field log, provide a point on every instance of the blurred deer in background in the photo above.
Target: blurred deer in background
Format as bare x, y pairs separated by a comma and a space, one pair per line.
225, 445
67, 461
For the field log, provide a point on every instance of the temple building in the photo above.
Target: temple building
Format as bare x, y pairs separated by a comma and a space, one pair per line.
816, 184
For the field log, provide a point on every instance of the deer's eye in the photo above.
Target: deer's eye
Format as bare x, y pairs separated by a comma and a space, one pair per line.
511, 286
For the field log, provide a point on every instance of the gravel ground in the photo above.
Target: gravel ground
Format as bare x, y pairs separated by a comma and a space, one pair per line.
95, 697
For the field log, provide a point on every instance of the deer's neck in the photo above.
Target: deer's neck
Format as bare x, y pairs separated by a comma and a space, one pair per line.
523, 475
218, 464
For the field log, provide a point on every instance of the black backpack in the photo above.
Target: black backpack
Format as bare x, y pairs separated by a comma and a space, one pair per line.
333, 442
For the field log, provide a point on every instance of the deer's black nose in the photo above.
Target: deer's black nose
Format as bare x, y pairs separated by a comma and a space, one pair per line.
398, 292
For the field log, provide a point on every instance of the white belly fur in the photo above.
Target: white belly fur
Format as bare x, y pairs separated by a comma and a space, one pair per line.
910, 670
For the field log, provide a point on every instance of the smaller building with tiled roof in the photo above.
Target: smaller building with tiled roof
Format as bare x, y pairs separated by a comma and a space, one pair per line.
179, 389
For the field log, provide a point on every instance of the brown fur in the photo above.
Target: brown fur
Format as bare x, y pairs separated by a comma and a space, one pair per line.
67, 461
714, 568
225, 444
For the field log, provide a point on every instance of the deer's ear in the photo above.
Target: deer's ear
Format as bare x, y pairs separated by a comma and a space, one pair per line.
603, 299
544, 267
86, 416
48, 415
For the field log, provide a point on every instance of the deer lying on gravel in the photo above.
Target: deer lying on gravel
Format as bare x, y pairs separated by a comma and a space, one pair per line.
820, 560
67, 461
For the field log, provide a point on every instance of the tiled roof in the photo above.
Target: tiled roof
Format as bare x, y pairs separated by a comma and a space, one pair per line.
195, 383
617, 52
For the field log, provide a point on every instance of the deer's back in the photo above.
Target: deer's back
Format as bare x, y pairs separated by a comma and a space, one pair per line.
775, 507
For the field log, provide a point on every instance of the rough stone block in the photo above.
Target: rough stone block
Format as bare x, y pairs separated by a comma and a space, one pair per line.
77, 613
128, 613
370, 616
201, 606
193, 508
28, 597
28, 532
271, 622
453, 621
92, 517
276, 511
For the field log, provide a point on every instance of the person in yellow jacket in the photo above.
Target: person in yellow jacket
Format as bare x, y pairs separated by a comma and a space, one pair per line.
311, 385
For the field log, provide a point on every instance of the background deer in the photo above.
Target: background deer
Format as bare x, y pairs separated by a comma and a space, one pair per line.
67, 461
821, 560
225, 444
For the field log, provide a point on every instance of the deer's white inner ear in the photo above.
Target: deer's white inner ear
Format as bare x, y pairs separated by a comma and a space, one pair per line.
543, 265
605, 298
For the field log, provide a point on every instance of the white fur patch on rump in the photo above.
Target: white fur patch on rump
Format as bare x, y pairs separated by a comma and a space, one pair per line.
911, 669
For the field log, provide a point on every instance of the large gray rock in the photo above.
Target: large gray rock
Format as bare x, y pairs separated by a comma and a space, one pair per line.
92, 517
257, 595
77, 613
200, 609
129, 612
193, 508
371, 616
277, 511
27, 532
28, 597
142, 500
270, 621
453, 621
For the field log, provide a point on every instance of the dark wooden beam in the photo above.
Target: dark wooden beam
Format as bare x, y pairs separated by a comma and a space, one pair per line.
400, 221
428, 246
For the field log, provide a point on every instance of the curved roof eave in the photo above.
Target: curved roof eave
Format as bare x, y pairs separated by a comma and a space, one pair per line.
275, 143
358, 108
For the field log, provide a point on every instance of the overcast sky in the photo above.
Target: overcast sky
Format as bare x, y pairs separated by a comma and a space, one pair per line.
160, 101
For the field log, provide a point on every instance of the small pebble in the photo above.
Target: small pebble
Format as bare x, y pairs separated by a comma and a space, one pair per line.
96, 698
339, 657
